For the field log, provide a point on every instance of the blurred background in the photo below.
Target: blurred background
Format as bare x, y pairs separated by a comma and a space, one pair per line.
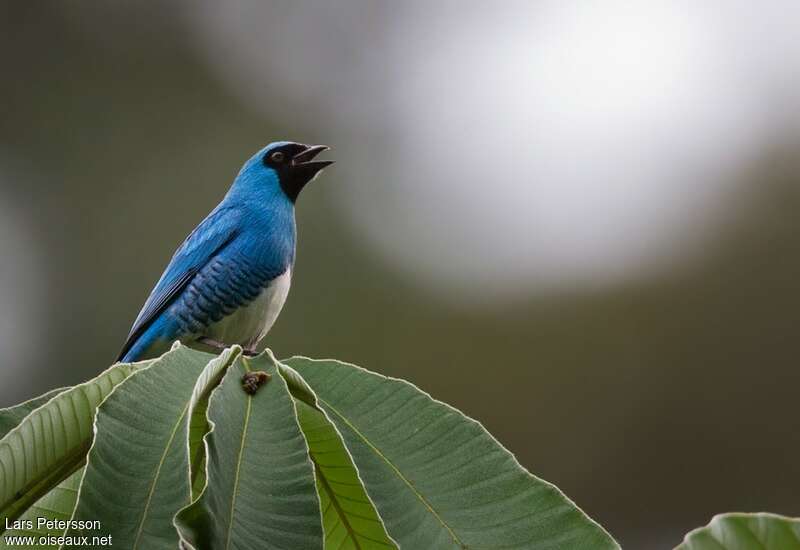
577, 222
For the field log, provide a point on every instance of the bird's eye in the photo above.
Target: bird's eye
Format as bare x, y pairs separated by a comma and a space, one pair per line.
277, 156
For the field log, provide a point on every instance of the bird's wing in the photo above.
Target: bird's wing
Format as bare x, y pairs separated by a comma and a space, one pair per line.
202, 245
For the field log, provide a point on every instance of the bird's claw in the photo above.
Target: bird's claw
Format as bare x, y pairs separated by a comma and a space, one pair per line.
219, 347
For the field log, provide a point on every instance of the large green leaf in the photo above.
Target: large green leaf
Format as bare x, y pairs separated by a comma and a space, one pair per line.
51, 442
348, 516
439, 479
137, 472
260, 490
745, 532
12, 416
198, 423
58, 504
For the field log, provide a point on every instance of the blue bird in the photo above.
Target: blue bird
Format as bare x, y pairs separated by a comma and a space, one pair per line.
228, 281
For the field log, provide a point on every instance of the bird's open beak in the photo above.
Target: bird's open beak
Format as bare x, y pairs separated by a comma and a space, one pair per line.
303, 169
306, 158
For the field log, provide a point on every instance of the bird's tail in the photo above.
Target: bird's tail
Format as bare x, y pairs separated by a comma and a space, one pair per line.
149, 344
135, 353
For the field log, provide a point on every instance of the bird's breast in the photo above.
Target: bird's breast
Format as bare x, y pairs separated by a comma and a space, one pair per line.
249, 323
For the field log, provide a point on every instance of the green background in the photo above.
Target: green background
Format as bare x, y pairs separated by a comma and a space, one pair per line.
653, 404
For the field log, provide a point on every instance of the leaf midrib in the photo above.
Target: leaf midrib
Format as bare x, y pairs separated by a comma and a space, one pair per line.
10, 508
38, 487
150, 493
397, 471
238, 466
335, 502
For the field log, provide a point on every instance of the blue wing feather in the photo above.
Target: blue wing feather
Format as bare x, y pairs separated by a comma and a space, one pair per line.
199, 248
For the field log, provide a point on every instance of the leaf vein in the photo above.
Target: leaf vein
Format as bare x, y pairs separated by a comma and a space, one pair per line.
397, 472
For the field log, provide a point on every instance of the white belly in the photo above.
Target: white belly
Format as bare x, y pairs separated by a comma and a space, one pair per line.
248, 325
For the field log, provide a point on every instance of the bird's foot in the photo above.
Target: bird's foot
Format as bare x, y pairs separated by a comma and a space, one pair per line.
217, 346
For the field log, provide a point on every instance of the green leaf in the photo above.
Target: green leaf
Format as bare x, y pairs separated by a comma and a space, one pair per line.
12, 416
439, 479
260, 490
745, 532
348, 516
137, 472
58, 504
208, 380
51, 442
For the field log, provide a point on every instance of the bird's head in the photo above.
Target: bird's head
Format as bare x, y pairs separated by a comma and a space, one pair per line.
286, 164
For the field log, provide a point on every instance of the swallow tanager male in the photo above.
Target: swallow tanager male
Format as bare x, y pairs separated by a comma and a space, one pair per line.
227, 282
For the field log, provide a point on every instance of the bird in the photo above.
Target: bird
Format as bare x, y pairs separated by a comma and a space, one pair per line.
228, 281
